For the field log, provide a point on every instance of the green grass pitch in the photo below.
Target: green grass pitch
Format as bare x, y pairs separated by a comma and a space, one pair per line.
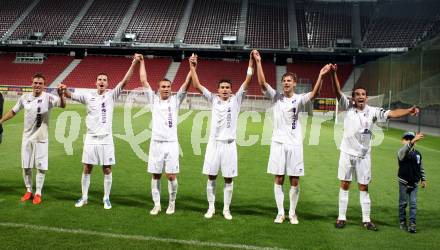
57, 224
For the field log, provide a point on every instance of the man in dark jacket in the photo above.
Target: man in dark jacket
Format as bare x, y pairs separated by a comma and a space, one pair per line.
410, 173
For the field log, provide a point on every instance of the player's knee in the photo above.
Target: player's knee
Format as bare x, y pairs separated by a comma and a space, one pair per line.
212, 177
107, 169
363, 187
345, 185
171, 177
294, 180
228, 180
87, 168
279, 179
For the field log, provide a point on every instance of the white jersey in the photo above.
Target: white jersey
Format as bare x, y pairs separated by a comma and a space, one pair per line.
286, 127
224, 114
36, 115
165, 114
99, 118
358, 125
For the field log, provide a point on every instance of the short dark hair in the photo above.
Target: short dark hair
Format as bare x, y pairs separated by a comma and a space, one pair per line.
224, 80
102, 74
39, 75
291, 74
356, 88
164, 80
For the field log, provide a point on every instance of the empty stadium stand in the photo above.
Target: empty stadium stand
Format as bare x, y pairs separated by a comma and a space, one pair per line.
211, 71
156, 22
267, 24
367, 12
210, 22
51, 17
400, 24
20, 74
100, 22
324, 23
309, 72
84, 75
9, 12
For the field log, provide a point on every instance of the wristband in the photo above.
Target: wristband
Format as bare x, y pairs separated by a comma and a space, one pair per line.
250, 71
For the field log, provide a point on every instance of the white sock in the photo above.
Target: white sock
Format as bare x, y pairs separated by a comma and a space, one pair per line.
227, 195
279, 198
27, 178
85, 184
365, 201
39, 181
293, 196
172, 190
107, 185
210, 193
155, 191
343, 204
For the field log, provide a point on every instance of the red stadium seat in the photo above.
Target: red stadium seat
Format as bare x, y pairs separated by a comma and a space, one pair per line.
84, 75
211, 71
20, 74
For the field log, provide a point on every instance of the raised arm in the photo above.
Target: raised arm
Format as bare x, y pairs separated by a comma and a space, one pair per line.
396, 113
186, 83
249, 72
260, 73
317, 88
61, 89
64, 90
143, 73
136, 59
194, 77
403, 151
335, 81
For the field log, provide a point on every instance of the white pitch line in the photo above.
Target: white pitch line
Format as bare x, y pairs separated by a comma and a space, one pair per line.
135, 237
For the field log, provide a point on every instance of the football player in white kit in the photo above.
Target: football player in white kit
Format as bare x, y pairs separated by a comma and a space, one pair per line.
35, 142
286, 149
221, 151
356, 146
98, 145
163, 155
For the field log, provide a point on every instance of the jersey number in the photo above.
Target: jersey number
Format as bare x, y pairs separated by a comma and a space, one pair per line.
39, 117
104, 113
294, 118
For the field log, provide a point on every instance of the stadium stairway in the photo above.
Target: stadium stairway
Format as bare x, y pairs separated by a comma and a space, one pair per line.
293, 25
77, 19
63, 75
19, 20
279, 72
172, 71
352, 79
126, 21
184, 22
243, 22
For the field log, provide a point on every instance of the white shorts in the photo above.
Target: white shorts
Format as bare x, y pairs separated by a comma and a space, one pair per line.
34, 154
360, 166
99, 154
285, 159
221, 155
162, 155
